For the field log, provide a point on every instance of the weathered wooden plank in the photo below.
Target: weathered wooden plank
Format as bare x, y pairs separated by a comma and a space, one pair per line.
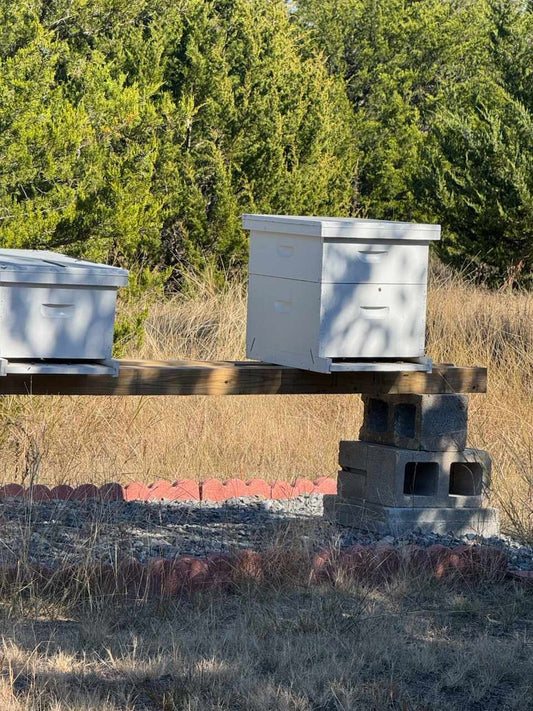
243, 378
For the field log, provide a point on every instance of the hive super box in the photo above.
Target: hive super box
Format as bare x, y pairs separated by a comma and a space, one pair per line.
56, 307
330, 294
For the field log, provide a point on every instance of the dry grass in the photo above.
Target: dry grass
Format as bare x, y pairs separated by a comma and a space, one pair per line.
472, 325
405, 646
67, 440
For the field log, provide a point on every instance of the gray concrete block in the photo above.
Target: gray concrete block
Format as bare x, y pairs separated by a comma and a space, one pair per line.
426, 422
352, 483
398, 477
399, 521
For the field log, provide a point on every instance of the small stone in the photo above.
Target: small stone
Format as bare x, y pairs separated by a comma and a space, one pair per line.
386, 540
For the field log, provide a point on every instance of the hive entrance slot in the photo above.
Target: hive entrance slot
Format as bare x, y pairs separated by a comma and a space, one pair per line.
421, 478
466, 479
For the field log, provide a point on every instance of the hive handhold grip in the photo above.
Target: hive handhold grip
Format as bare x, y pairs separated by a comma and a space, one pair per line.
57, 310
285, 250
375, 313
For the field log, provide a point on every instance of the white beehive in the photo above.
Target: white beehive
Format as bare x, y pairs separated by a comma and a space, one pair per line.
330, 294
54, 307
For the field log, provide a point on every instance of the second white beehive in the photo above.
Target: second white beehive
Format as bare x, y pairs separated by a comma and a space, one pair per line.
328, 294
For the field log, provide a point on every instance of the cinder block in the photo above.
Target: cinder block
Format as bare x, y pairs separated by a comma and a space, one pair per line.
426, 422
398, 477
357, 513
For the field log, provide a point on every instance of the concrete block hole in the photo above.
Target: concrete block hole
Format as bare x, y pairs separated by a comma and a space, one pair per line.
421, 478
404, 420
378, 415
466, 479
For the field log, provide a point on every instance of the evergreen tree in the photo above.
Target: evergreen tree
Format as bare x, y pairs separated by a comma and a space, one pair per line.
139, 130
266, 129
397, 57
442, 92
479, 168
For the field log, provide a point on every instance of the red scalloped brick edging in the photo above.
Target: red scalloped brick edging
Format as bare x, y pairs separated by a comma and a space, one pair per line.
181, 490
374, 564
522, 576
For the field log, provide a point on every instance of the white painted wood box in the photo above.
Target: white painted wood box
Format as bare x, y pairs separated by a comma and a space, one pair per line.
56, 307
329, 294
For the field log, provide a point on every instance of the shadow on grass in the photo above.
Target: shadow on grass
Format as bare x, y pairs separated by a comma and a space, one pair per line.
412, 644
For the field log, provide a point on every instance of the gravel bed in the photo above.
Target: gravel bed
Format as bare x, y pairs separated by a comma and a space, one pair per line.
58, 532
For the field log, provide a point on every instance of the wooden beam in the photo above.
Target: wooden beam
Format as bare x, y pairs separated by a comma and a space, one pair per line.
243, 378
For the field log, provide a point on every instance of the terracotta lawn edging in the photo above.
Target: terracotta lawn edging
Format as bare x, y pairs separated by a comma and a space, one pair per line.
166, 577
181, 490
219, 571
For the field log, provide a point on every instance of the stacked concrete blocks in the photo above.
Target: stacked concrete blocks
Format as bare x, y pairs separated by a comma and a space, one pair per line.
412, 469
433, 423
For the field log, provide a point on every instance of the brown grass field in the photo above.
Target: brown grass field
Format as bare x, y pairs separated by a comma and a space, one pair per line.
409, 644
412, 645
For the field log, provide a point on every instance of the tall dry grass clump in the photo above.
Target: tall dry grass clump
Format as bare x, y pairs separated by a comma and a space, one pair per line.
469, 324
203, 322
56, 440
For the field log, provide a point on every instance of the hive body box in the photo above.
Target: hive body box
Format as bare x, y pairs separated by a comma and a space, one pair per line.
328, 294
55, 307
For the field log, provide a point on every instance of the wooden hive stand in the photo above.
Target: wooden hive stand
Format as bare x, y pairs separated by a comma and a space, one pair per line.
410, 469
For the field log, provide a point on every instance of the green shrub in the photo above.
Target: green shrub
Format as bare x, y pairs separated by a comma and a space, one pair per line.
144, 287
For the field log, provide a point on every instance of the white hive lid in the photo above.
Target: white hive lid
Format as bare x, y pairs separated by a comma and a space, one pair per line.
35, 266
342, 227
